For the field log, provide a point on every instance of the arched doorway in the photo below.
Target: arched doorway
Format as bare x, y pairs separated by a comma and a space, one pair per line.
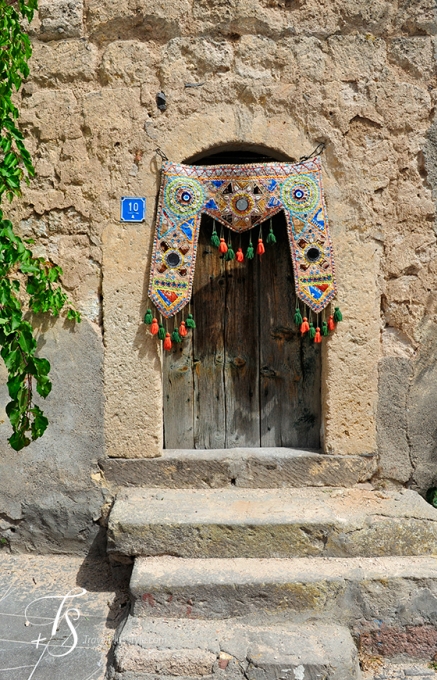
244, 378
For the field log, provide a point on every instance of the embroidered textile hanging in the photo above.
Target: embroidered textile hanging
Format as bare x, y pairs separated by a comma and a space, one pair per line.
240, 197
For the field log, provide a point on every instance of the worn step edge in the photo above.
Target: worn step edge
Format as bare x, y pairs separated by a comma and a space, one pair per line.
271, 523
251, 468
394, 590
147, 649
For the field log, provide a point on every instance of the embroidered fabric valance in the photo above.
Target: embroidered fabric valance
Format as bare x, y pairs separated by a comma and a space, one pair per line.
240, 197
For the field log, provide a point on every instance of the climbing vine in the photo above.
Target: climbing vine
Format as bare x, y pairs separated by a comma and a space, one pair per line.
27, 283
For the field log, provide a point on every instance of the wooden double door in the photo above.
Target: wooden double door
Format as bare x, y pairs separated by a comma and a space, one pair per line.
244, 377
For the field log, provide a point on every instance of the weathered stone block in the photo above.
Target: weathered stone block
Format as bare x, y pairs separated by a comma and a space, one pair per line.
393, 590
111, 112
414, 55
392, 418
129, 62
48, 489
52, 115
404, 106
254, 468
421, 403
271, 523
193, 648
352, 55
60, 19
65, 61
160, 21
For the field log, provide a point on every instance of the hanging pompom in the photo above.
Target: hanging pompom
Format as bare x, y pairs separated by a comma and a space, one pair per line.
271, 238
338, 316
297, 317
250, 252
215, 241
154, 328
239, 255
317, 337
223, 248
167, 342
148, 317
175, 336
230, 255
260, 250
312, 331
331, 323
161, 332
183, 330
324, 328
190, 323
304, 327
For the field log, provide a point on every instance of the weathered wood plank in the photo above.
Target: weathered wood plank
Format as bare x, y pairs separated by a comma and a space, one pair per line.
242, 354
289, 366
179, 396
208, 347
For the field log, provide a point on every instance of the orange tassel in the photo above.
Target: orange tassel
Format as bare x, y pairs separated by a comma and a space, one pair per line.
331, 323
260, 250
223, 248
167, 342
317, 337
239, 255
304, 326
154, 328
183, 330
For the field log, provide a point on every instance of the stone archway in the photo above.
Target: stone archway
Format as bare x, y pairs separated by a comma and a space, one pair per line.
349, 375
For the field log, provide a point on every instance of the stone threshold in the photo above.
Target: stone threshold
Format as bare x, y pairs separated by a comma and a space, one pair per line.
241, 467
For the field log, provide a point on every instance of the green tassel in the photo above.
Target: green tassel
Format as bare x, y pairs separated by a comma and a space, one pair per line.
161, 332
298, 317
312, 331
325, 328
175, 336
271, 238
230, 255
190, 323
250, 252
148, 317
215, 241
338, 316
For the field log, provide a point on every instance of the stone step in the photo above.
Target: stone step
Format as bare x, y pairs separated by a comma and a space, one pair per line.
271, 523
149, 650
265, 468
362, 593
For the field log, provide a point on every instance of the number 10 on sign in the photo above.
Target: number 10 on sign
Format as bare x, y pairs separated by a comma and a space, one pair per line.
132, 209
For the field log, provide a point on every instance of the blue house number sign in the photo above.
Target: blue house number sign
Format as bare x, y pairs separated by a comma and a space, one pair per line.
132, 209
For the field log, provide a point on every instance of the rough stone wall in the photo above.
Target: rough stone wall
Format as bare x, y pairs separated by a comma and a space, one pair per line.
281, 75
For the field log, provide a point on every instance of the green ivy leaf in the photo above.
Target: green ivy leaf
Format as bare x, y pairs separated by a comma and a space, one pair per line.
43, 386
39, 424
14, 412
14, 384
17, 340
18, 441
42, 365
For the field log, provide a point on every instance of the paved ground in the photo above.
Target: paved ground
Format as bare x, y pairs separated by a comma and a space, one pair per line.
57, 617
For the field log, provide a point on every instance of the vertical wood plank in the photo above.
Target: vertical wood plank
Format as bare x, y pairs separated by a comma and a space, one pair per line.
208, 344
179, 396
289, 366
242, 354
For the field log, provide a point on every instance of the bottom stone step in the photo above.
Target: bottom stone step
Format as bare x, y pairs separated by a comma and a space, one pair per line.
232, 650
